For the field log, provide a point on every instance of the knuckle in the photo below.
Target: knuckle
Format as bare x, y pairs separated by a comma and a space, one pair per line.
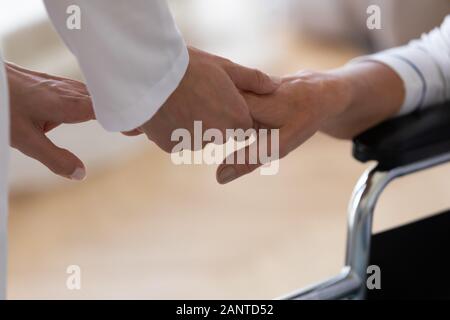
50, 84
260, 77
226, 62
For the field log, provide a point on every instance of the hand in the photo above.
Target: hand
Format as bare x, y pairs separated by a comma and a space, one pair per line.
209, 92
342, 103
299, 108
39, 103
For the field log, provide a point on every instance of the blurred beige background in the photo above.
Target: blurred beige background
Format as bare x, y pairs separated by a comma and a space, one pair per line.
141, 227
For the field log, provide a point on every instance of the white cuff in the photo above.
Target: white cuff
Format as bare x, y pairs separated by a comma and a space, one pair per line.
421, 76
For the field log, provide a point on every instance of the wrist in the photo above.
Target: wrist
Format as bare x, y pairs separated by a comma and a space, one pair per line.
372, 84
374, 94
347, 89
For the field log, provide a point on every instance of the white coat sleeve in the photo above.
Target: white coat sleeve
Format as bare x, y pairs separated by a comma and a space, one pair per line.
424, 67
4, 161
130, 52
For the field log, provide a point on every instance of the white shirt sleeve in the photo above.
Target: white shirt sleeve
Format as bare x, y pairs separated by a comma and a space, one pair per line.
4, 161
130, 52
424, 67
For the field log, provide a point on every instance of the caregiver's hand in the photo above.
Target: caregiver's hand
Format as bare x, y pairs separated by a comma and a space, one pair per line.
39, 103
209, 92
343, 103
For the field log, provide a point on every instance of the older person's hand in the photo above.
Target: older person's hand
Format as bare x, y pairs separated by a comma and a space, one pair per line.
39, 103
341, 103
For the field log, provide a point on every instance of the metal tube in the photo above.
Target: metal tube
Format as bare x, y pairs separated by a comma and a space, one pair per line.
339, 287
362, 205
350, 283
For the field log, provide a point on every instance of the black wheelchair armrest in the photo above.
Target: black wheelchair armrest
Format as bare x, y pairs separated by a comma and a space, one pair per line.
405, 140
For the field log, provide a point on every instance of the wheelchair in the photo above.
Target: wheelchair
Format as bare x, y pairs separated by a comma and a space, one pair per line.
414, 259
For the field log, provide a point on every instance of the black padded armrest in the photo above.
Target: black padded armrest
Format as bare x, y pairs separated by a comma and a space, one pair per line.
405, 140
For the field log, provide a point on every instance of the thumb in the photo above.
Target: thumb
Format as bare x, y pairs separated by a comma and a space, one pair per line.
252, 80
290, 137
60, 161
237, 164
229, 172
132, 133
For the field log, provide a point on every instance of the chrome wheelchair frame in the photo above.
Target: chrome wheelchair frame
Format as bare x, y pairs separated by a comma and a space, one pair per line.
429, 146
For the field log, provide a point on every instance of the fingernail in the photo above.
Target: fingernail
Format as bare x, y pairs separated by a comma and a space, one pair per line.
79, 174
277, 80
227, 174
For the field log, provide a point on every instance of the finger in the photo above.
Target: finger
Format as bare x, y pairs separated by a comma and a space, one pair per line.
245, 161
239, 116
71, 109
60, 161
256, 104
71, 85
290, 137
68, 109
265, 111
79, 85
72, 91
252, 80
228, 172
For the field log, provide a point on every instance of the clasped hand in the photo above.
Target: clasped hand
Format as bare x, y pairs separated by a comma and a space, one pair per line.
214, 90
